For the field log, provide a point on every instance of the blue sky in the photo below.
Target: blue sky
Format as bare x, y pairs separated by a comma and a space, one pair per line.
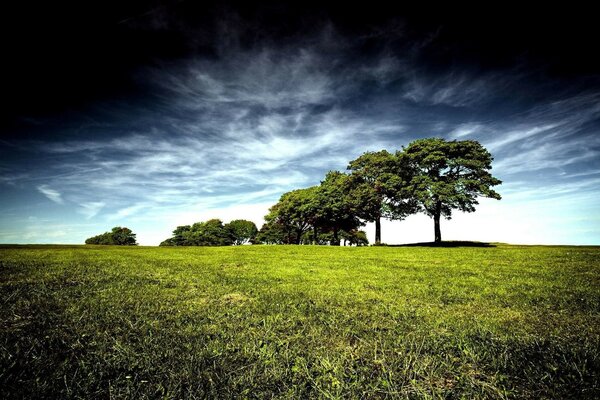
225, 135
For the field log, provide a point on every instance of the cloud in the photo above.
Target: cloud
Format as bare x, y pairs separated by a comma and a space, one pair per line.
455, 89
463, 130
91, 209
235, 131
127, 211
51, 194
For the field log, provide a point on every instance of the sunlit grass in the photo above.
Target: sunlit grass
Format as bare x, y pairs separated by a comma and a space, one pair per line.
300, 322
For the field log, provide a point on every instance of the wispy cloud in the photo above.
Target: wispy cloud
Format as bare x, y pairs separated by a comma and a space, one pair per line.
239, 129
127, 212
51, 194
91, 209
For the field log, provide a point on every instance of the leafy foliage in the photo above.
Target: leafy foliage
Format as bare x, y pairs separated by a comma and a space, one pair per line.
120, 236
334, 209
445, 176
376, 177
294, 213
273, 232
430, 175
209, 233
354, 237
242, 231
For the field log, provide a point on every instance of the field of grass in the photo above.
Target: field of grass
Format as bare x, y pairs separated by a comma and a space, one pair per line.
299, 322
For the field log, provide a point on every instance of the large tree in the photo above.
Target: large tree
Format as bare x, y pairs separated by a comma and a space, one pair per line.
446, 176
377, 188
294, 213
333, 207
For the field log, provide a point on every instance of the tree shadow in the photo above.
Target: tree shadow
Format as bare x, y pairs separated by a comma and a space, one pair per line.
446, 244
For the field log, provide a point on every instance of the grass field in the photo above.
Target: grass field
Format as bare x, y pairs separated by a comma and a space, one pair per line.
299, 322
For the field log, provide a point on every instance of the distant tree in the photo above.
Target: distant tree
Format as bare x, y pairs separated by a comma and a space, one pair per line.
123, 236
242, 231
446, 175
169, 242
359, 238
294, 213
181, 237
209, 233
333, 209
104, 238
120, 236
354, 237
272, 233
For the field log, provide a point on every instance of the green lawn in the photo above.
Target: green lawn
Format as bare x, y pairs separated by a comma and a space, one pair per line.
299, 322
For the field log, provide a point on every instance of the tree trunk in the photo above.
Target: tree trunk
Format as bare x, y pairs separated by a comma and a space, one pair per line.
298, 236
436, 222
378, 230
335, 241
314, 240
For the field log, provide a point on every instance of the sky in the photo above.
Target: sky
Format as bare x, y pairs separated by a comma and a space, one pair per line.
156, 114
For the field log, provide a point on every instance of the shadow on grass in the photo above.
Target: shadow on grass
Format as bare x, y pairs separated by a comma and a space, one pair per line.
446, 244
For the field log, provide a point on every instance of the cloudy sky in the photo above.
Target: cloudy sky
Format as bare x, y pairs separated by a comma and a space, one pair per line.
156, 114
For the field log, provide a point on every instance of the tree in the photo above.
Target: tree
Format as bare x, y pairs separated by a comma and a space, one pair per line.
181, 237
242, 231
123, 236
271, 233
332, 207
446, 175
354, 237
294, 213
209, 233
376, 179
120, 236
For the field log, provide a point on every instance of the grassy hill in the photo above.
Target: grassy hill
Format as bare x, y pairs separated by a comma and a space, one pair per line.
300, 322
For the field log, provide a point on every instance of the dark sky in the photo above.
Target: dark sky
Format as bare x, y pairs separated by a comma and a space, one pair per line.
156, 113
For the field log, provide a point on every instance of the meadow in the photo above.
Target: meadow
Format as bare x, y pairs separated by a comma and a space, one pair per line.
299, 322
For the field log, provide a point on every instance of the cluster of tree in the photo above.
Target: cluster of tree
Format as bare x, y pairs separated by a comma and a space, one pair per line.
431, 175
118, 236
213, 233
273, 233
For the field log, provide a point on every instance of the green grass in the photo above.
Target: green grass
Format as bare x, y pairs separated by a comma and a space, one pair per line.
299, 322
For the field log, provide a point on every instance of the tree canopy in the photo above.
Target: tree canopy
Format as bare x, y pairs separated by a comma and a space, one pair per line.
242, 231
375, 181
447, 175
208, 233
432, 175
294, 213
120, 236
333, 208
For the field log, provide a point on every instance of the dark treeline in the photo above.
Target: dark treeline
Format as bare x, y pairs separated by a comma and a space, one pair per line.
432, 176
118, 236
213, 233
